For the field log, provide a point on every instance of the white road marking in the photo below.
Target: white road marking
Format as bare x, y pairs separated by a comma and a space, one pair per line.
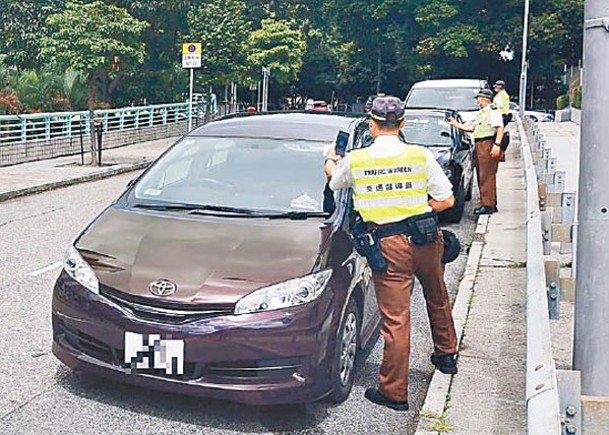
46, 269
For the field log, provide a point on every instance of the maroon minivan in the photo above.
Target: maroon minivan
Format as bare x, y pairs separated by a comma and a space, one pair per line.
218, 272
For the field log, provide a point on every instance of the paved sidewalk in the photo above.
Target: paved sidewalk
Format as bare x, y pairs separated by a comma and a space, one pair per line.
487, 396
28, 178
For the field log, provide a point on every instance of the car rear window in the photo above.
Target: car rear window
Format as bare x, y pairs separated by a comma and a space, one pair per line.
459, 99
427, 130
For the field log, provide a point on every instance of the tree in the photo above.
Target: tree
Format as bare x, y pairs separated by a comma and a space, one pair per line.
278, 47
90, 38
21, 26
222, 29
9, 102
162, 65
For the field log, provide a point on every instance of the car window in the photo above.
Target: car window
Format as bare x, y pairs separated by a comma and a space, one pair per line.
255, 173
427, 130
460, 99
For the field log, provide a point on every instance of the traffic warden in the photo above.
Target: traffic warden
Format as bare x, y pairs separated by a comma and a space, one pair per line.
488, 135
397, 191
502, 101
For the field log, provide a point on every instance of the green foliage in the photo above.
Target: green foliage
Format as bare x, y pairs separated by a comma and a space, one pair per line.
21, 27
320, 48
278, 47
87, 37
577, 98
562, 101
222, 28
48, 90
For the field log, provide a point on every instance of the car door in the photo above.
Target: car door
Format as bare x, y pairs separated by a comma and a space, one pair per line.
464, 154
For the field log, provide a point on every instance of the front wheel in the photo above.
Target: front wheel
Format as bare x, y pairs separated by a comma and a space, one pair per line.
347, 344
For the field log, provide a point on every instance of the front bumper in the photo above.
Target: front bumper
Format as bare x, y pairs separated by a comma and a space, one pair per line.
264, 358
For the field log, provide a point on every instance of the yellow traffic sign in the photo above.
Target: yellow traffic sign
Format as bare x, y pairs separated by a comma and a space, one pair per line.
191, 48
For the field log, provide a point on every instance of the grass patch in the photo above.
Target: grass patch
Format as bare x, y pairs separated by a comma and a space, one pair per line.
517, 265
439, 422
430, 414
442, 426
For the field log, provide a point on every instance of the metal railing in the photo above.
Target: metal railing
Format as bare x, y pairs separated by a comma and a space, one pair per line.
46, 126
543, 411
37, 136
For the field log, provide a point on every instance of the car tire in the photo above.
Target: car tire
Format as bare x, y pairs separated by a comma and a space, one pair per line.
470, 190
455, 213
347, 345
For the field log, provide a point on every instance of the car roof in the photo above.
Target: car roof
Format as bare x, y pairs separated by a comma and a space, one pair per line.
451, 83
310, 126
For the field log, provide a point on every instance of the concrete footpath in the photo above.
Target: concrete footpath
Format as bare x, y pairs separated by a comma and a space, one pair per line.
487, 396
33, 177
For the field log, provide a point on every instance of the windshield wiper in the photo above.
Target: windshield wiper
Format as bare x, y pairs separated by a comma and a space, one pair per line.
298, 215
205, 209
211, 209
196, 208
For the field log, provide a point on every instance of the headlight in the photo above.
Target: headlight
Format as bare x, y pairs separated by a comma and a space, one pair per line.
285, 294
79, 270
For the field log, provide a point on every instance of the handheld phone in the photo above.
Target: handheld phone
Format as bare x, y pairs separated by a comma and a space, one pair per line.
342, 138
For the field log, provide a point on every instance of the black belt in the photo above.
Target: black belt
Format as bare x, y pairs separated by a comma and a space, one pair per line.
402, 227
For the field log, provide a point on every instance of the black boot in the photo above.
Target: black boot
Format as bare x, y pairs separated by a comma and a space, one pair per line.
447, 364
375, 396
485, 209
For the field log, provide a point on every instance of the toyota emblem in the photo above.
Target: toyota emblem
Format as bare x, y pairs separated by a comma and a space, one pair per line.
162, 287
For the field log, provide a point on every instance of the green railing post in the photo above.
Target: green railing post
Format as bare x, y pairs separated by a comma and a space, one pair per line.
23, 130
47, 127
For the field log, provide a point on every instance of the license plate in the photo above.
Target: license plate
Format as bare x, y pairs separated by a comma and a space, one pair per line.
149, 353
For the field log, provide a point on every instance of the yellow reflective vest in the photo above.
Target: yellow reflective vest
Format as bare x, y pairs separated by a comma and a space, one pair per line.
389, 189
502, 102
483, 129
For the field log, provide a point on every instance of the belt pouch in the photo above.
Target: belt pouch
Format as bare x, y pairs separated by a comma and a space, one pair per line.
368, 244
424, 229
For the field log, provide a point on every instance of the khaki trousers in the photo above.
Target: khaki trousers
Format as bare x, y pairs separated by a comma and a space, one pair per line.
393, 295
486, 171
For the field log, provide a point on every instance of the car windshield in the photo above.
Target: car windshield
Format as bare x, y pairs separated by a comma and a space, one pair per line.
459, 99
275, 175
427, 130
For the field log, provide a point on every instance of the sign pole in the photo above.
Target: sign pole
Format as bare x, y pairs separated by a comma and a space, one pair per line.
191, 59
192, 75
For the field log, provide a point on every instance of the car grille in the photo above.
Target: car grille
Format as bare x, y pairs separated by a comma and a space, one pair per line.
164, 311
269, 369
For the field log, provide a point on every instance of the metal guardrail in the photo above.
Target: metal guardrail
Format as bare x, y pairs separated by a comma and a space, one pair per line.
543, 412
46, 126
